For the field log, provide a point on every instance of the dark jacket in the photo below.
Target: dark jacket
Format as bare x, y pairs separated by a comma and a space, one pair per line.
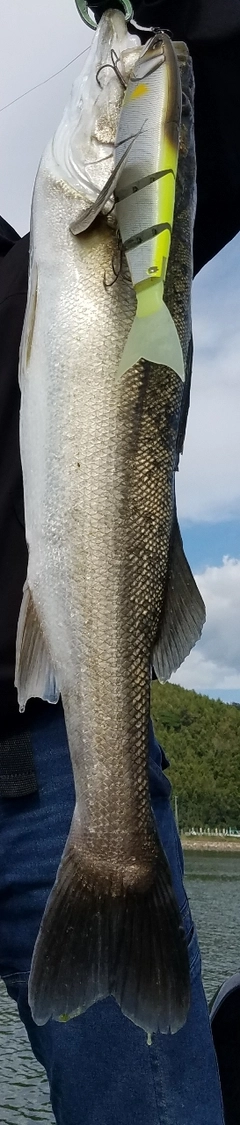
13, 553
212, 30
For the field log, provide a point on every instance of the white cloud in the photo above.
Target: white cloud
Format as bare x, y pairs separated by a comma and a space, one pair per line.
208, 484
215, 660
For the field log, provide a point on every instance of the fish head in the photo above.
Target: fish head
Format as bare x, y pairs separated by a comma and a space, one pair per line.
83, 145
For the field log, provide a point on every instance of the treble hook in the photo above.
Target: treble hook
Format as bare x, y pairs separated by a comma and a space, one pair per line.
117, 259
82, 7
113, 66
115, 62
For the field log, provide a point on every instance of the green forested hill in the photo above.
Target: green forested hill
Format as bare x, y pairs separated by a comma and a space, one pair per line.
201, 737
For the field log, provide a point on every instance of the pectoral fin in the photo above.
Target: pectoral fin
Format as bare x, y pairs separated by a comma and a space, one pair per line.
29, 322
183, 614
34, 674
86, 219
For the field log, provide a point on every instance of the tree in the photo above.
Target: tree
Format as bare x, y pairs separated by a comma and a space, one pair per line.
201, 737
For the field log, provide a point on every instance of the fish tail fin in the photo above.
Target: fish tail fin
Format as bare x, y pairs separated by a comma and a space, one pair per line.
155, 339
94, 942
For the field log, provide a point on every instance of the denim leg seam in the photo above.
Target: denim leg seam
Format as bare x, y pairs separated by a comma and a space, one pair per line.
163, 1108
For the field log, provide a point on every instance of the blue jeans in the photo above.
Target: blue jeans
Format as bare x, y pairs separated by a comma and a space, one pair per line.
100, 1068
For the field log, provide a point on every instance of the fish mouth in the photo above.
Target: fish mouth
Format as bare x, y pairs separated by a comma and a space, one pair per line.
86, 134
112, 39
116, 52
112, 34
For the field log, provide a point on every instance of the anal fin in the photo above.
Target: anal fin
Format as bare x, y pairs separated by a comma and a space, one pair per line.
34, 673
183, 614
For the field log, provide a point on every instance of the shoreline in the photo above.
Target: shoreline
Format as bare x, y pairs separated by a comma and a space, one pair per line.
210, 843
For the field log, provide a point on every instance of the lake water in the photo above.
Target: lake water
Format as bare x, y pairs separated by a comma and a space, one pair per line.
212, 881
213, 886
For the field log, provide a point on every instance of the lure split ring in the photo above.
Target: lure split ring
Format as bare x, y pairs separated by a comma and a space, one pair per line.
82, 7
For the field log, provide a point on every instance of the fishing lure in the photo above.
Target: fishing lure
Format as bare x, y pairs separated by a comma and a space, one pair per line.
145, 197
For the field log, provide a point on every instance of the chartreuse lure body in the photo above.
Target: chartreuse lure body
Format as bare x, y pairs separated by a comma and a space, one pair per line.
145, 197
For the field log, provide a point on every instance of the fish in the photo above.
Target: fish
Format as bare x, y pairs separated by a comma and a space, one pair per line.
145, 197
108, 589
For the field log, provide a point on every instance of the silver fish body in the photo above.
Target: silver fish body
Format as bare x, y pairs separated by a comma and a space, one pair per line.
108, 591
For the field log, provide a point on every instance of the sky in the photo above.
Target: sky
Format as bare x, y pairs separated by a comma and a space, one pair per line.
36, 41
